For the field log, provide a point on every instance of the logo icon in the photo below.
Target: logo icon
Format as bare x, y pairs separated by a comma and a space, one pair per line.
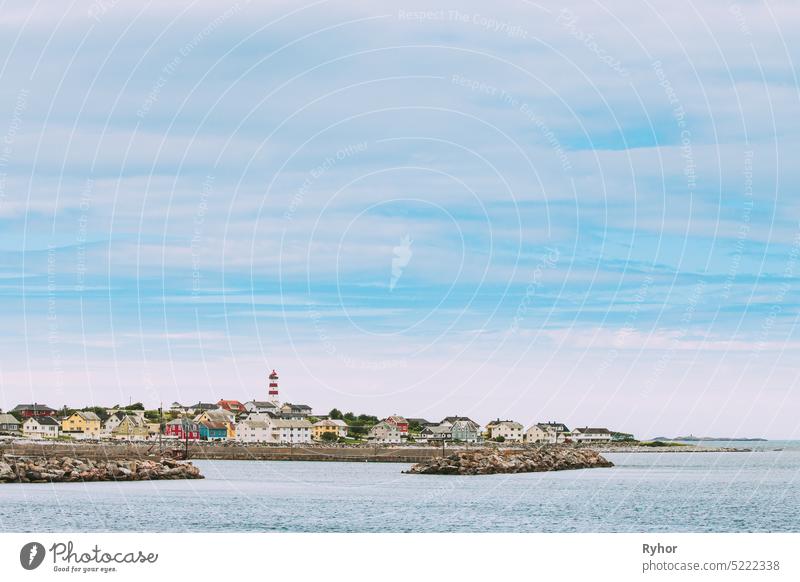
402, 256
31, 555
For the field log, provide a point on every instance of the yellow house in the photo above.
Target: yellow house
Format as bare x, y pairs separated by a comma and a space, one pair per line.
219, 415
131, 428
337, 428
81, 424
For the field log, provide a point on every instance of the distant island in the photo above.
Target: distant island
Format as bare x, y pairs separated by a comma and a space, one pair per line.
693, 438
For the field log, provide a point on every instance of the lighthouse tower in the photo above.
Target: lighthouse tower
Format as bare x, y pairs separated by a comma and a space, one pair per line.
273, 387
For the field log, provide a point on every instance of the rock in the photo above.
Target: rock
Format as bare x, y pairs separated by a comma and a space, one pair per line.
491, 461
66, 470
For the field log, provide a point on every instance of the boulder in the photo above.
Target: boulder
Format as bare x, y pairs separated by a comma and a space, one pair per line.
68, 470
492, 461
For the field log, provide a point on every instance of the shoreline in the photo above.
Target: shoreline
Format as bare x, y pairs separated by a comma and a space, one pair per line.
322, 453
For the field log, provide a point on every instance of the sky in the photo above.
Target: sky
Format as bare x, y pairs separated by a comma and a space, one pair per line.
581, 212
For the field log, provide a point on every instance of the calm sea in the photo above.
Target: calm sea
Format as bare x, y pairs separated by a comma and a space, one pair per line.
648, 492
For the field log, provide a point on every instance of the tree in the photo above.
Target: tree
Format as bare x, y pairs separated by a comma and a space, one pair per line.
329, 437
151, 415
349, 416
356, 430
134, 406
335, 414
500, 439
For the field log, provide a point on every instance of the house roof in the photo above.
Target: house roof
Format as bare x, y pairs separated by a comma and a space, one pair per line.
8, 419
587, 430
218, 415
437, 429
396, 418
87, 415
419, 421
214, 425
507, 423
49, 420
466, 425
133, 419
203, 406
183, 421
557, 426
297, 406
383, 425
34, 406
285, 423
262, 404
454, 419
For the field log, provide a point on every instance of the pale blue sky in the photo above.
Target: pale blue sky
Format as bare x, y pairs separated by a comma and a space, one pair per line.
585, 214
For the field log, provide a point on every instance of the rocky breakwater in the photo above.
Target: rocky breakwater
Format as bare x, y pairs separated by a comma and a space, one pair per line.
491, 461
68, 470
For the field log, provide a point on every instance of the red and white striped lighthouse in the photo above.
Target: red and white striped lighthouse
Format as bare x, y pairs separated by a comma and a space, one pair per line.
273, 386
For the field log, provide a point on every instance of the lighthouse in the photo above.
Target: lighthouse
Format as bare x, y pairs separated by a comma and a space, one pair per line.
273, 387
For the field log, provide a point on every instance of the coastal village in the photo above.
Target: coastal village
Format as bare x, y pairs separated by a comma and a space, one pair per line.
272, 422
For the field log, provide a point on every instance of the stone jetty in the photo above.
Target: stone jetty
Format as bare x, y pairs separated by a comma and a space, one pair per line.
69, 470
491, 461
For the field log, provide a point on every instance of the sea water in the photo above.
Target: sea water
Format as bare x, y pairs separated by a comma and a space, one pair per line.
647, 492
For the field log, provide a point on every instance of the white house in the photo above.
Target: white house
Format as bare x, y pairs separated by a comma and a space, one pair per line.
466, 431
400, 422
111, 423
257, 428
537, 434
591, 435
436, 433
291, 431
41, 427
548, 432
383, 432
261, 407
509, 430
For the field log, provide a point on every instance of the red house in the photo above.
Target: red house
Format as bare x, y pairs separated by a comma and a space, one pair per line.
29, 410
233, 406
400, 422
182, 429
